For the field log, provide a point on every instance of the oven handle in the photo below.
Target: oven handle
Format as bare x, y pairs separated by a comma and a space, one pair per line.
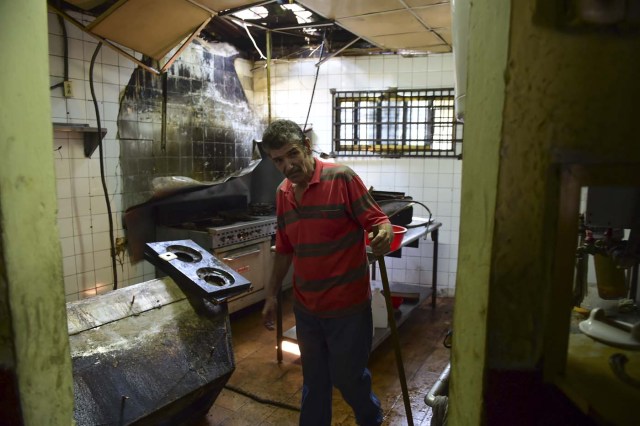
239, 255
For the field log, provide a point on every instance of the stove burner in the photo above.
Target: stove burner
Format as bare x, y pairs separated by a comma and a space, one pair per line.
215, 276
195, 269
185, 254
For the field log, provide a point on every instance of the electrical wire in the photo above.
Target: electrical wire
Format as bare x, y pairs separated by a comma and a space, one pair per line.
253, 41
315, 81
409, 202
104, 182
262, 400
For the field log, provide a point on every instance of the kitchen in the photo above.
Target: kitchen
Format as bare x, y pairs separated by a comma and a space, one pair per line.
435, 182
86, 266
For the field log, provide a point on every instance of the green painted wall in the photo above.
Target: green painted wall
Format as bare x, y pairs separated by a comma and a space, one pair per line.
32, 291
568, 95
535, 93
487, 61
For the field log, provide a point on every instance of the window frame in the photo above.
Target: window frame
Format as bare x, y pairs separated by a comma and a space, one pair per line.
393, 123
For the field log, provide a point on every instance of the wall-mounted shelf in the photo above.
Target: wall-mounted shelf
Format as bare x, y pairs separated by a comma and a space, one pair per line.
90, 135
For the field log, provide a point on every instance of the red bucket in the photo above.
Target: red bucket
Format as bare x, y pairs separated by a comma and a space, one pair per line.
398, 235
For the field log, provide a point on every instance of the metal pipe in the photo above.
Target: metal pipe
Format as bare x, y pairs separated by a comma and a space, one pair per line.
303, 26
438, 387
269, 77
346, 46
242, 23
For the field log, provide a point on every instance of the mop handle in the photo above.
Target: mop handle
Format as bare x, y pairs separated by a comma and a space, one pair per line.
394, 334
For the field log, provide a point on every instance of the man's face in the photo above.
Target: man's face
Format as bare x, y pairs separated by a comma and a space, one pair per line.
294, 161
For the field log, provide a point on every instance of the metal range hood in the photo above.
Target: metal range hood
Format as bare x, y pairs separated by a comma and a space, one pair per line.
151, 27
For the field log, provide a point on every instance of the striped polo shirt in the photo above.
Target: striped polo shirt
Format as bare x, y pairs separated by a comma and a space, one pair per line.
325, 234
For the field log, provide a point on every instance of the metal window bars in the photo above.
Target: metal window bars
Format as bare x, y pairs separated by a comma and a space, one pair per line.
396, 123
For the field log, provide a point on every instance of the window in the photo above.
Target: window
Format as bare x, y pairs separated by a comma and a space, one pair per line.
395, 123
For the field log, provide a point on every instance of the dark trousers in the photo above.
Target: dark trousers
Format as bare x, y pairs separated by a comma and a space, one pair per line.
335, 352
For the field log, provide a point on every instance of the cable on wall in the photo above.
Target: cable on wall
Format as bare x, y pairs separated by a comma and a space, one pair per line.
102, 177
315, 81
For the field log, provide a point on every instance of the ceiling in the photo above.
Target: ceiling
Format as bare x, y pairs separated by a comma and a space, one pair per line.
297, 29
398, 25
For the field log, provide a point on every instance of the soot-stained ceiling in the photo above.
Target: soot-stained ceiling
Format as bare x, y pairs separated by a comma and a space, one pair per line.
297, 29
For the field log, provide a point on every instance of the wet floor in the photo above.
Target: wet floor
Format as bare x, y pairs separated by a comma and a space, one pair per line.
263, 392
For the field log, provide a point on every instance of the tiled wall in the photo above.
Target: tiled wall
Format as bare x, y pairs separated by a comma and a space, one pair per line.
82, 213
432, 181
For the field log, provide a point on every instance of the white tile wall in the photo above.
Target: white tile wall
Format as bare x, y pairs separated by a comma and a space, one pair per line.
82, 213
434, 182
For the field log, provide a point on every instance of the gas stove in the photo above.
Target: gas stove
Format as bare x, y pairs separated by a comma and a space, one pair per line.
215, 234
239, 232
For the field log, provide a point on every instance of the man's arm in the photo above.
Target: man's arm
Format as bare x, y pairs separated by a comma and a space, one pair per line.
281, 265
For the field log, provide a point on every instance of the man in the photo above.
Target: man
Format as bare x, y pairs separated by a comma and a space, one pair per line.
323, 211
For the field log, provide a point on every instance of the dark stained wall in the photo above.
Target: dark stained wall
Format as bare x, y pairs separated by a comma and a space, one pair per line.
201, 126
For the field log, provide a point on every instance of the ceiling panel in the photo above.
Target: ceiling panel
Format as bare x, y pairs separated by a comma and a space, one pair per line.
152, 27
220, 5
343, 9
438, 16
445, 33
392, 24
419, 3
368, 26
416, 40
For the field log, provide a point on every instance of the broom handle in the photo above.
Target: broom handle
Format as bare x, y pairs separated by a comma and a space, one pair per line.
394, 334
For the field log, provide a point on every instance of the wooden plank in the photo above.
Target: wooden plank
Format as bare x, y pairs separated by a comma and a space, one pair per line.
129, 301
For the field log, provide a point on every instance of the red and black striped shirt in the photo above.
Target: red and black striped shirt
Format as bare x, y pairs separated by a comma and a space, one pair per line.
325, 234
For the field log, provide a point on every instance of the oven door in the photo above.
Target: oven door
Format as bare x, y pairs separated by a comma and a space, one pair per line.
249, 261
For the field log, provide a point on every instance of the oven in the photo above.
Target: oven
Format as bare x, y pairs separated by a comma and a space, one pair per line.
252, 262
242, 242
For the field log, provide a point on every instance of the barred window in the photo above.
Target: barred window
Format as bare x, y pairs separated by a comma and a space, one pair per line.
395, 123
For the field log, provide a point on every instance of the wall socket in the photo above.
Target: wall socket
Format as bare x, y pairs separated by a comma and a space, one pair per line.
68, 89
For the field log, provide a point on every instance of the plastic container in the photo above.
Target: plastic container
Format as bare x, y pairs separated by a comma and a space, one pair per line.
398, 236
396, 301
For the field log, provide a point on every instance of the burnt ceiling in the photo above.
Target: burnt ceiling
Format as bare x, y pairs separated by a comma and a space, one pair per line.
289, 38
296, 30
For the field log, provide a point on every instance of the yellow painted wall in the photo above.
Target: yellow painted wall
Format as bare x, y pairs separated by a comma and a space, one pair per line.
487, 61
34, 332
535, 94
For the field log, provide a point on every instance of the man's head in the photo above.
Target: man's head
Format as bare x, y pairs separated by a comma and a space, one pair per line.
289, 150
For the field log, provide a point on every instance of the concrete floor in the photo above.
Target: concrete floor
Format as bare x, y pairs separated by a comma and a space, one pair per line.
259, 376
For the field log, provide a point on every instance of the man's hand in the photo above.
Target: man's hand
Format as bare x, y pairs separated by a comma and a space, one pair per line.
381, 243
269, 311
